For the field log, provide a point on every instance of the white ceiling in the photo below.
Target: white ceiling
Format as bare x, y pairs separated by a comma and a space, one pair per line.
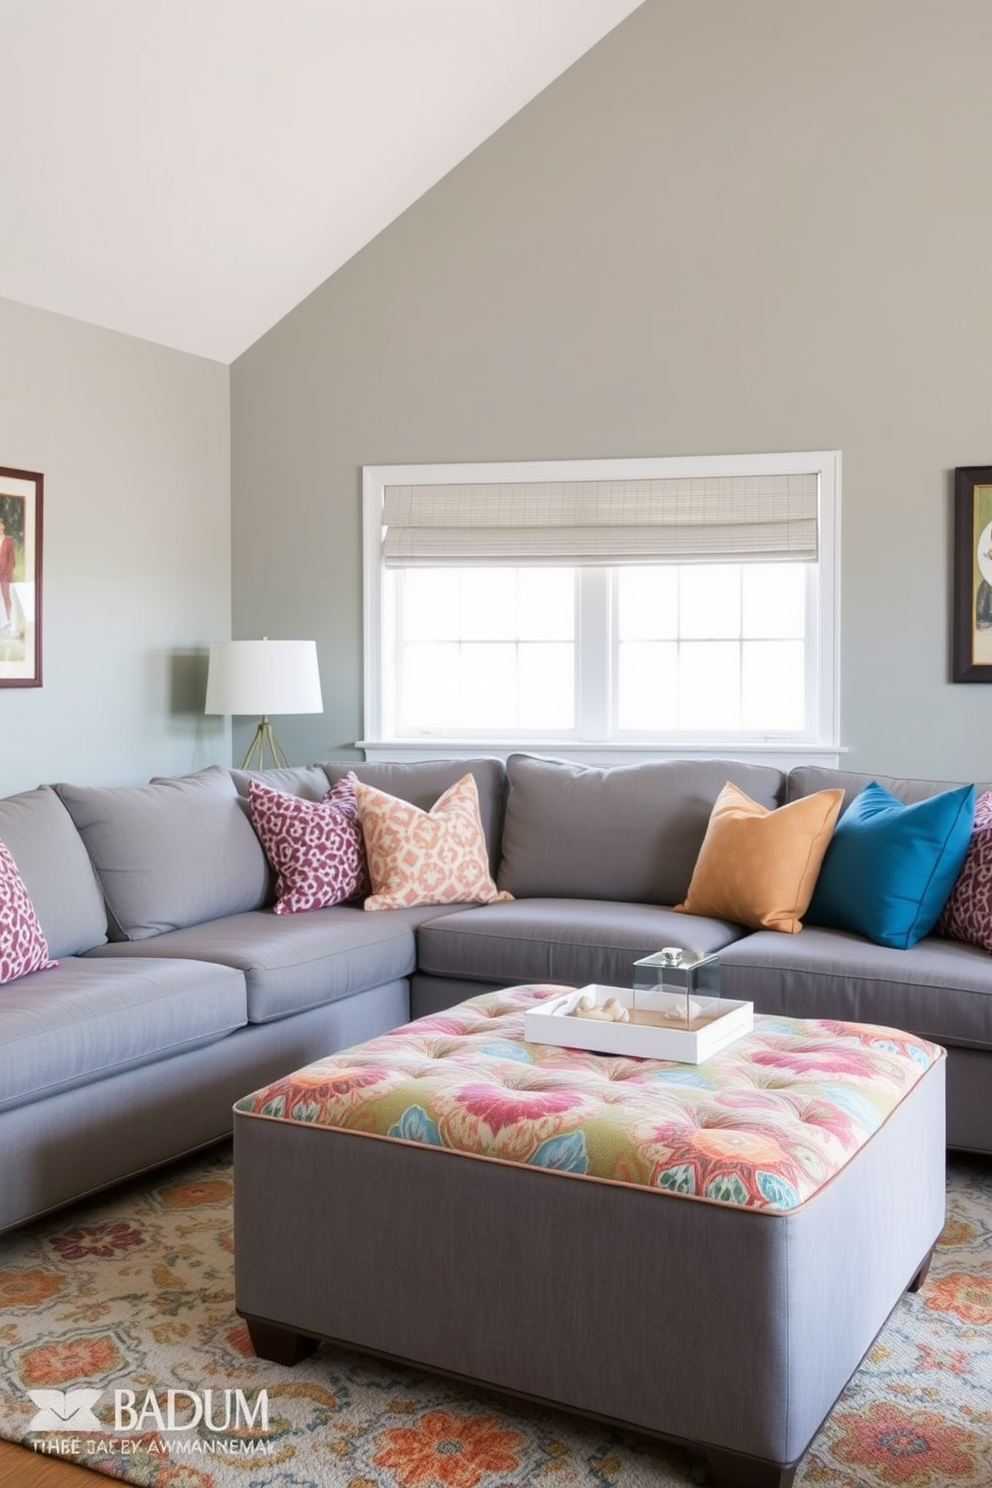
188, 170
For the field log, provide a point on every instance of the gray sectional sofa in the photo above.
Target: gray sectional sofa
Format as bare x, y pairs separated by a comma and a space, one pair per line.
178, 990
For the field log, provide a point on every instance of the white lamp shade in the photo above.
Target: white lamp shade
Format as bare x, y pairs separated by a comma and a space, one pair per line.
263, 677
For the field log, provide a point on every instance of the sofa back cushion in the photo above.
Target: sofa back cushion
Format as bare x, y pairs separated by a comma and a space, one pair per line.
306, 781
629, 832
171, 853
56, 870
422, 782
805, 779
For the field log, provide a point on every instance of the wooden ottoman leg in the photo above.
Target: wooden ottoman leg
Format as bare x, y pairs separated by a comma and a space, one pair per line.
280, 1345
921, 1275
735, 1470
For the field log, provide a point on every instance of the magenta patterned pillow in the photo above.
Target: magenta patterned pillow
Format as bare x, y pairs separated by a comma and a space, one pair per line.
315, 847
23, 946
967, 915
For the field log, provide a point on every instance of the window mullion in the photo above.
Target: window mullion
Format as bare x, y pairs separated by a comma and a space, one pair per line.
594, 654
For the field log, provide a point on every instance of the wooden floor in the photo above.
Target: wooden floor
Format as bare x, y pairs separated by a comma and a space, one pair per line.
20, 1468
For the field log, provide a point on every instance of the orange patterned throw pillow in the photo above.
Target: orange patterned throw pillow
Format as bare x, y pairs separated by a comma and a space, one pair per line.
426, 857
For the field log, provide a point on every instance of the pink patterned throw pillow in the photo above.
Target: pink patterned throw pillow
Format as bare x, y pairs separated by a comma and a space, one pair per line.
967, 915
426, 857
23, 946
315, 847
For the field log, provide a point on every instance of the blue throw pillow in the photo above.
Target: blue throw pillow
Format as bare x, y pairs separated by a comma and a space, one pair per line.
890, 867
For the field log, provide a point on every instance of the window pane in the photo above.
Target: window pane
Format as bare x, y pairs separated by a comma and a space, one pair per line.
487, 686
431, 603
648, 605
547, 686
648, 688
709, 600
489, 604
773, 686
773, 601
546, 604
429, 694
709, 685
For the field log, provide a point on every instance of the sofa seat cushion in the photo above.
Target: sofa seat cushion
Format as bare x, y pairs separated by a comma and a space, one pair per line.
559, 940
87, 1018
295, 962
939, 989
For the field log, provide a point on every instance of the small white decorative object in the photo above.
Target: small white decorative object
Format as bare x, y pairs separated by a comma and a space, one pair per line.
611, 1010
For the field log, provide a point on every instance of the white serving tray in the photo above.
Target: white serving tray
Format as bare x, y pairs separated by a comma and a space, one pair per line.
551, 1024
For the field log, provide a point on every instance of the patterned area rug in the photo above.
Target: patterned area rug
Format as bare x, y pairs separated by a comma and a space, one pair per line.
111, 1306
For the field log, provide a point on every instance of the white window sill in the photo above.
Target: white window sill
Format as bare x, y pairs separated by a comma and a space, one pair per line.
783, 756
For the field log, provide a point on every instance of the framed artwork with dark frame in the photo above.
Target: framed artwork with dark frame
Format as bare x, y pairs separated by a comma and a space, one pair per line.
20, 577
972, 652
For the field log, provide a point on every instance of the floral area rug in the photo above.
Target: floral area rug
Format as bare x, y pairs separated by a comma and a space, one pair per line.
120, 1349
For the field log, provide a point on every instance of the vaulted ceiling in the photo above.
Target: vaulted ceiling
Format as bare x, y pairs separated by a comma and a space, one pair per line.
188, 170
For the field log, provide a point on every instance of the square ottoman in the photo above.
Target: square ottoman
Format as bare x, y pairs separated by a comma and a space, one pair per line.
703, 1253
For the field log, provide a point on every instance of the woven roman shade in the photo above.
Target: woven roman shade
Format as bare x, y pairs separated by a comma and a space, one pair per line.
694, 519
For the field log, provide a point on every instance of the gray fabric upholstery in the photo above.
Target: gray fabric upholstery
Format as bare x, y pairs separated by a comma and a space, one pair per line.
294, 962
969, 1107
630, 832
56, 870
172, 853
805, 779
186, 881
84, 1019
430, 994
308, 781
941, 989
423, 781
734, 1328
559, 940
80, 1140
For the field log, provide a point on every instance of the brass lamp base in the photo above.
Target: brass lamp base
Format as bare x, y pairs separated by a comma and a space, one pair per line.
264, 739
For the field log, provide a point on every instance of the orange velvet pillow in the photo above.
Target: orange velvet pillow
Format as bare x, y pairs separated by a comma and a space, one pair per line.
426, 857
759, 867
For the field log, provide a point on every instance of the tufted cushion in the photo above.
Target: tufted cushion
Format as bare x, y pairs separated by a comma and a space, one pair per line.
764, 1125
426, 857
23, 947
967, 915
315, 847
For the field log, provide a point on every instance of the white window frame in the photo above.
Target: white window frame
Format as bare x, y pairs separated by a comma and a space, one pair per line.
823, 617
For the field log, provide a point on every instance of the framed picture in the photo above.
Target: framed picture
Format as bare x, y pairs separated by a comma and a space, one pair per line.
972, 661
20, 577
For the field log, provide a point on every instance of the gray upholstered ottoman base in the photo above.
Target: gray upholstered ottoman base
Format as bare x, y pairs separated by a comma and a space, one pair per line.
726, 1328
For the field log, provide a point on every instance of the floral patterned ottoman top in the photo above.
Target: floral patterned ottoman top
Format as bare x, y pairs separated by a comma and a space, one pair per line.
763, 1124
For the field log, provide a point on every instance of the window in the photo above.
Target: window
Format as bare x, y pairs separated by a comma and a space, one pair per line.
658, 605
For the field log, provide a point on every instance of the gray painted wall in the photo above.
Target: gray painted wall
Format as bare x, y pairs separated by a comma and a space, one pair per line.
729, 227
133, 441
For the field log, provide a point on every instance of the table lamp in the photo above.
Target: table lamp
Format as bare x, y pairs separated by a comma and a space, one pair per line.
263, 677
